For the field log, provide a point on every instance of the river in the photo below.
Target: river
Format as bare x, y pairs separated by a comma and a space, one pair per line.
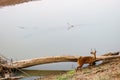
59, 27
35, 74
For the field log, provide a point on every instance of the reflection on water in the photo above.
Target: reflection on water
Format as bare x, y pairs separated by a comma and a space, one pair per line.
31, 78
34, 74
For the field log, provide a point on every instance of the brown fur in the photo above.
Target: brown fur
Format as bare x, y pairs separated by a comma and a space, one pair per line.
86, 60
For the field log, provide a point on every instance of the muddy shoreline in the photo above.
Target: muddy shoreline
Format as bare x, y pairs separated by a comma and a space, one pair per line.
109, 70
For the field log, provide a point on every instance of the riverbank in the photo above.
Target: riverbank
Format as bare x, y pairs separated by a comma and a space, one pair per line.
109, 70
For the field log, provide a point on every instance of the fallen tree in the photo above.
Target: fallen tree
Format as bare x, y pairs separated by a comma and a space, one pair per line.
53, 59
12, 2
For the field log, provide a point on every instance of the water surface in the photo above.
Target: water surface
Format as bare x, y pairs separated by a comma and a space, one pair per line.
35, 74
59, 27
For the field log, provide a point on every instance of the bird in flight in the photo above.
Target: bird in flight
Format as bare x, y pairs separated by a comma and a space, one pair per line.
70, 26
21, 27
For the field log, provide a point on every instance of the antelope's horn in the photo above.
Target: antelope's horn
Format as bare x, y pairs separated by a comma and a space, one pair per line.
91, 49
94, 49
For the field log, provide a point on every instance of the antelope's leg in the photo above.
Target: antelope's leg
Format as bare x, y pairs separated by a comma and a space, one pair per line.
79, 67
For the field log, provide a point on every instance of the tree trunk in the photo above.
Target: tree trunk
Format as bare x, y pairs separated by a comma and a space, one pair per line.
44, 60
12, 2
53, 59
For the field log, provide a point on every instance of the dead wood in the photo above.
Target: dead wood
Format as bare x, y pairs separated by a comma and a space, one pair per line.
111, 54
44, 60
12, 2
52, 59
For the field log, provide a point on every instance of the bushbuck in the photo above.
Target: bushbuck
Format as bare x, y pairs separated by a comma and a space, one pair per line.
86, 60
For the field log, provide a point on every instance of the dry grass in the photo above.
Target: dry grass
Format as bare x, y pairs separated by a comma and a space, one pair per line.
107, 71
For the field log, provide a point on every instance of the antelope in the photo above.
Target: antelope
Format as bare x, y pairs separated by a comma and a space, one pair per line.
86, 60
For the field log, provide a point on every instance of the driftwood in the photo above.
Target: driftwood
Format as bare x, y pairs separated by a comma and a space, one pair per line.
12, 2
52, 59
44, 60
111, 54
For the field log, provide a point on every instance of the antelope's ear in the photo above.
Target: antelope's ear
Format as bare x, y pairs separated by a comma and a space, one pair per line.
91, 49
95, 50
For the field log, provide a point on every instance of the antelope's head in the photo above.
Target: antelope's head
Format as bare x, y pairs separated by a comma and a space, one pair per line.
93, 52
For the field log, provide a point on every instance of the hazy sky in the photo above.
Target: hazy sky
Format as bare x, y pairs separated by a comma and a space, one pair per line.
40, 28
